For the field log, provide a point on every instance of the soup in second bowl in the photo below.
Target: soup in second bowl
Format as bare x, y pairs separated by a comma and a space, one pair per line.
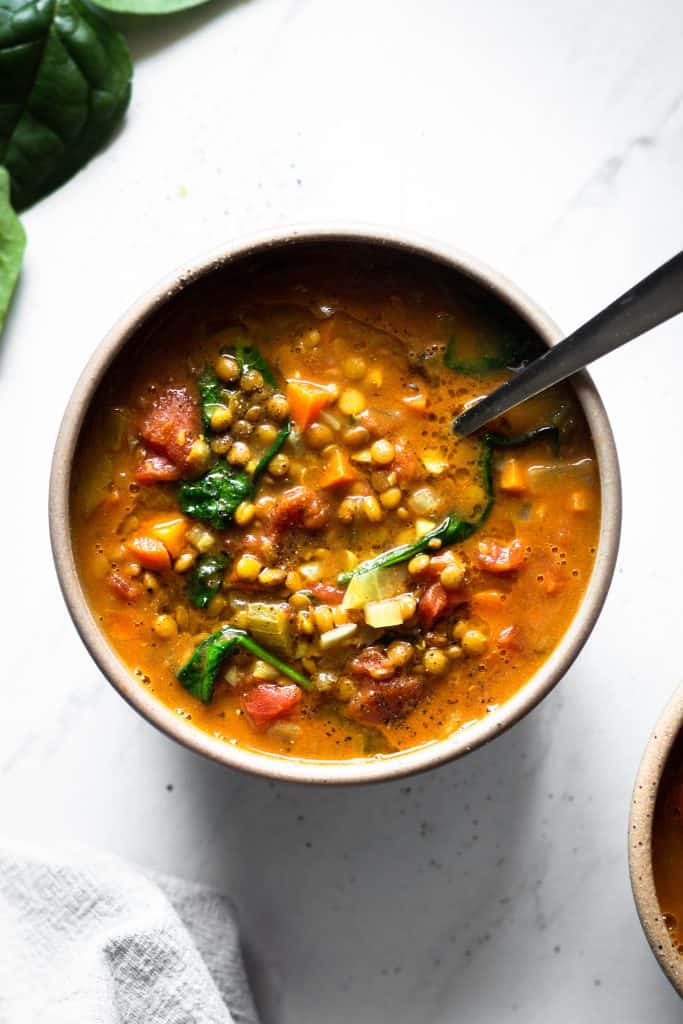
667, 845
282, 538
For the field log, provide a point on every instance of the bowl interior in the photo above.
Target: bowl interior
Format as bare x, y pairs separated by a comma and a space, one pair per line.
206, 286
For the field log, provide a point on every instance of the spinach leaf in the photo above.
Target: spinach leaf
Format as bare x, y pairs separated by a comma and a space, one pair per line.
12, 244
214, 497
206, 578
512, 348
453, 529
65, 79
148, 6
211, 396
198, 675
249, 358
262, 464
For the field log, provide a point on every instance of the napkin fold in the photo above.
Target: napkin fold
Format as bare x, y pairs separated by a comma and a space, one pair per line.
87, 939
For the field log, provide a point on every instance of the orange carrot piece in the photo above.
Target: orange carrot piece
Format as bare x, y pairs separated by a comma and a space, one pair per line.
487, 601
416, 402
171, 532
513, 477
307, 399
149, 551
338, 470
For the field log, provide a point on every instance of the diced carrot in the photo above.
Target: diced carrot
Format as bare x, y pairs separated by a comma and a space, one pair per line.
416, 402
307, 399
487, 601
495, 557
338, 470
579, 501
171, 532
513, 477
149, 551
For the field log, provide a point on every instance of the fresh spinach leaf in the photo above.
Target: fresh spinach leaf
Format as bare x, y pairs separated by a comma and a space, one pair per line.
214, 497
211, 396
206, 578
148, 6
12, 244
65, 80
249, 358
198, 674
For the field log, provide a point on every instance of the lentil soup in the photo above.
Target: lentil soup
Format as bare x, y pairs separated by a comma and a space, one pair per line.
281, 537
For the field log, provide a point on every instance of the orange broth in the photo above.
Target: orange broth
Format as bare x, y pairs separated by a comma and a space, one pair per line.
375, 338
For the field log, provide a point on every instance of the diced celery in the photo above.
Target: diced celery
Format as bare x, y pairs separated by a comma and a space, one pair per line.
375, 586
268, 623
382, 614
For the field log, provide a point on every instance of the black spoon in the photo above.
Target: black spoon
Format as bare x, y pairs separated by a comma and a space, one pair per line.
653, 300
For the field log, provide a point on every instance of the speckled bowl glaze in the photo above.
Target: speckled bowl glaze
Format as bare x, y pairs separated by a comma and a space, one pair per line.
643, 804
151, 308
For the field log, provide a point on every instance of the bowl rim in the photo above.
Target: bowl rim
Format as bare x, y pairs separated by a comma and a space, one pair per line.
285, 767
643, 803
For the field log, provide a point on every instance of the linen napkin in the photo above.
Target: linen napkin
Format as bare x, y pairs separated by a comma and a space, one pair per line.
88, 939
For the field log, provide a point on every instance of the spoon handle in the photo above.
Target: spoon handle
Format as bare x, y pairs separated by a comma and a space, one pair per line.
653, 300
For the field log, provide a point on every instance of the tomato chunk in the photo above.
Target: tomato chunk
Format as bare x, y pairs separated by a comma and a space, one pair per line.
327, 593
123, 588
172, 424
372, 662
495, 557
268, 701
433, 603
386, 701
156, 469
300, 506
511, 639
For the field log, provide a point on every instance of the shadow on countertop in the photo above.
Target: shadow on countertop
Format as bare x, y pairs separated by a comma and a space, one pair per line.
380, 896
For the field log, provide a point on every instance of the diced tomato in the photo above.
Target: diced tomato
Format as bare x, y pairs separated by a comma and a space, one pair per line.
511, 639
268, 701
406, 463
327, 593
172, 425
372, 662
123, 588
149, 551
156, 469
432, 604
300, 506
495, 557
384, 701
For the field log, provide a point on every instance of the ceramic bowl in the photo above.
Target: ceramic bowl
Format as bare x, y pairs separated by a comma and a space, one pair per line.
157, 304
643, 804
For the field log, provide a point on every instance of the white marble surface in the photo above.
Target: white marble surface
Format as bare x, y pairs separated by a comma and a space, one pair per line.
546, 138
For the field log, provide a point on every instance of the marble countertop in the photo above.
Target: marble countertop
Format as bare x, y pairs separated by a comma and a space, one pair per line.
548, 140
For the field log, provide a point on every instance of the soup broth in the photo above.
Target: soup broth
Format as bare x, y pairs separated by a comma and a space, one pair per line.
282, 538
